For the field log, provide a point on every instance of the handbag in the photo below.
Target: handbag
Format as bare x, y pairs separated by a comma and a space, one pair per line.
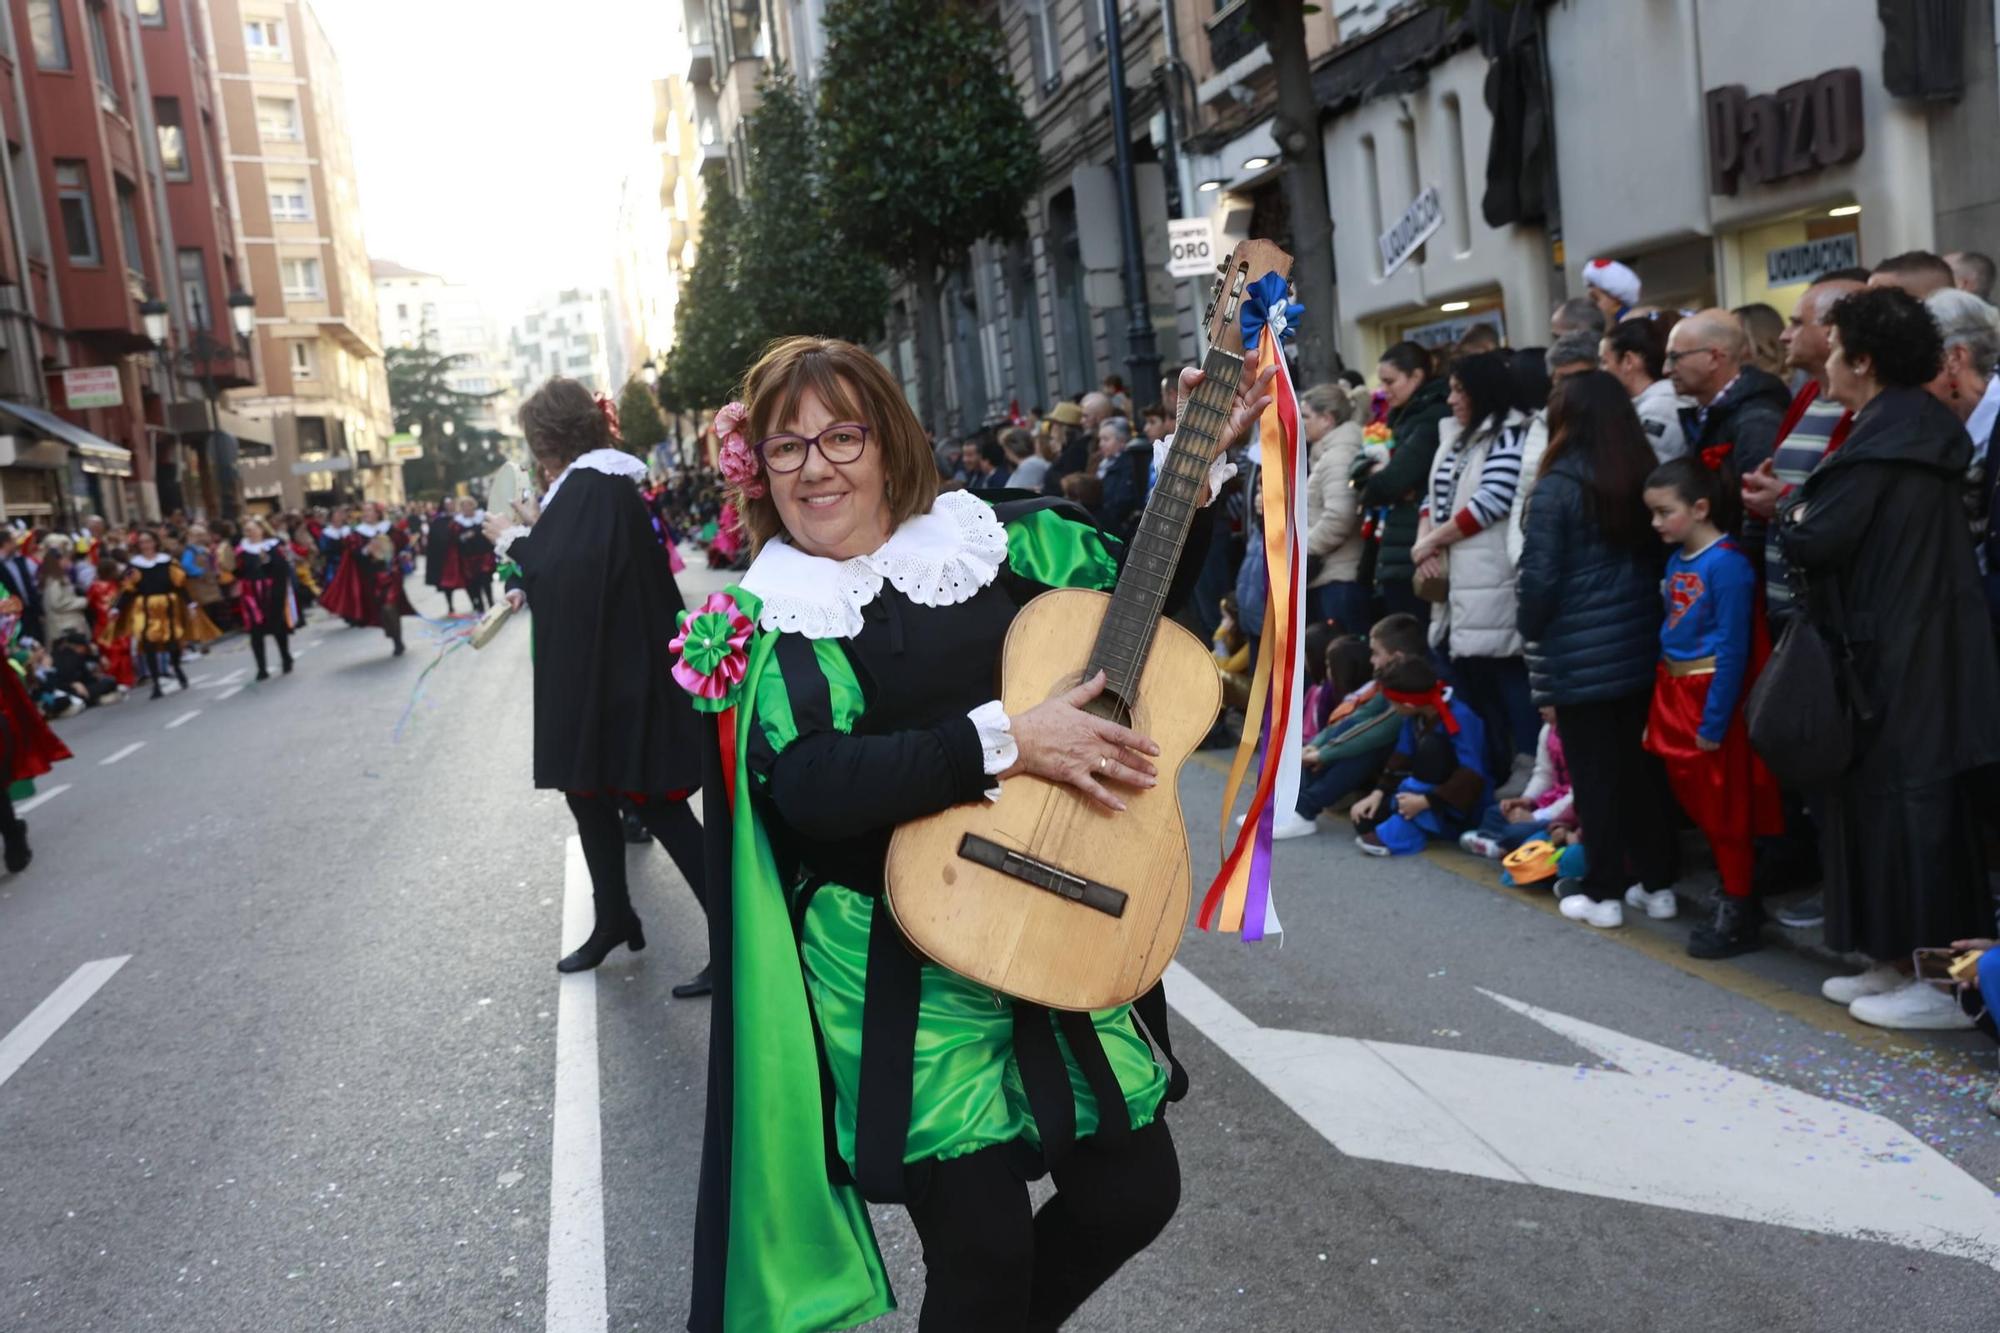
1804, 709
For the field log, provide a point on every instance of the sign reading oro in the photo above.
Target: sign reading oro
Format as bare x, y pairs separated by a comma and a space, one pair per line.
1771, 137
1190, 248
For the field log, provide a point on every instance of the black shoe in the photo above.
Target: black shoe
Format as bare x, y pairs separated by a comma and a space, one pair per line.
157, 691
635, 832
263, 675
1732, 929
699, 985
181, 676
288, 666
19, 854
601, 942
399, 649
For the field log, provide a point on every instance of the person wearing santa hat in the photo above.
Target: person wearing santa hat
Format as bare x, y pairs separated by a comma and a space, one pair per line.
1611, 287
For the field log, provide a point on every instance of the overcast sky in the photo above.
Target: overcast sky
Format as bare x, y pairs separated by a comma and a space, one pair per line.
491, 135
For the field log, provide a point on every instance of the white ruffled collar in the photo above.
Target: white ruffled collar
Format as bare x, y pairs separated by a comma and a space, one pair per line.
336, 532
372, 529
149, 561
937, 559
472, 520
611, 462
258, 548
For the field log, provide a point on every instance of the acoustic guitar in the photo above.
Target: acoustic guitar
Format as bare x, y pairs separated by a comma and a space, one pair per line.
1043, 894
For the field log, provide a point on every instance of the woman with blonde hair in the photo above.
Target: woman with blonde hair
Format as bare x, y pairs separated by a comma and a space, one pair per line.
860, 653
155, 612
264, 593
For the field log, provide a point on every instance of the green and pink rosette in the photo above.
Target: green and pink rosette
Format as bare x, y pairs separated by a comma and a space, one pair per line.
712, 650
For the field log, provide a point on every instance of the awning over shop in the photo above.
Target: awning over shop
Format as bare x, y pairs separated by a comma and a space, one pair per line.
99, 455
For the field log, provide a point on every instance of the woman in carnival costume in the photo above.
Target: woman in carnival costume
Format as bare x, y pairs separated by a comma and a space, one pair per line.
609, 722
156, 615
264, 593
846, 675
368, 589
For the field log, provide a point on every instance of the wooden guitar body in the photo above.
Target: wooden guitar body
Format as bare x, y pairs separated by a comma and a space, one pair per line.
1052, 938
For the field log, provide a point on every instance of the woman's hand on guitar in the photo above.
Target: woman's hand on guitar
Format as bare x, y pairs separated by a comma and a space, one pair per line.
1252, 397
516, 598
1060, 742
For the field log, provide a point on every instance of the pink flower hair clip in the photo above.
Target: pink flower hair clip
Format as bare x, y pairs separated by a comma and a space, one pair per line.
738, 460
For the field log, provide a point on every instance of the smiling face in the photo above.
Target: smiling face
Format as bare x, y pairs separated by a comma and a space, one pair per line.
836, 510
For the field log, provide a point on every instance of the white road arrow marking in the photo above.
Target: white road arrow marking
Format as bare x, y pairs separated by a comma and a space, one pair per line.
1663, 1128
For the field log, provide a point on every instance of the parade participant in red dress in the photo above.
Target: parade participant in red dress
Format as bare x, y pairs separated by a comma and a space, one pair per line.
368, 590
1711, 648
114, 649
441, 568
28, 749
474, 554
264, 593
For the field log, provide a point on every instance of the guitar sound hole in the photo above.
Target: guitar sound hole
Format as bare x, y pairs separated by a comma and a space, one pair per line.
1110, 706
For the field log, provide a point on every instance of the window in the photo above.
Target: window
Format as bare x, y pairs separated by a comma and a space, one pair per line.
1042, 46
290, 201
173, 138
51, 42
100, 46
152, 13
278, 118
78, 218
1093, 23
301, 279
194, 288
128, 227
265, 38
304, 366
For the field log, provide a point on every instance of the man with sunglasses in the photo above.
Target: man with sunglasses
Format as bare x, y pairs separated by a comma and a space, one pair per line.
1735, 403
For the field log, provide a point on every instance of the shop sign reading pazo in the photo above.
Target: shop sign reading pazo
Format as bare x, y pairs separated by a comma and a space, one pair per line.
1771, 137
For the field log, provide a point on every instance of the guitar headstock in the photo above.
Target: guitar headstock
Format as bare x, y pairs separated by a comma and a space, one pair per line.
1249, 261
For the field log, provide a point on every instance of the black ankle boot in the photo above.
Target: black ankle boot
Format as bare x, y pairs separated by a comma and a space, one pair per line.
157, 691
18, 853
699, 985
180, 675
601, 942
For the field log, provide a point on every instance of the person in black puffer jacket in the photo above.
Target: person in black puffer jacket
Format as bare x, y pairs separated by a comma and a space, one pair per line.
1588, 588
1417, 395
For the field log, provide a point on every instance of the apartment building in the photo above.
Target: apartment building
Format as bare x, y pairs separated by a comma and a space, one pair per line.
419, 309
319, 346
565, 334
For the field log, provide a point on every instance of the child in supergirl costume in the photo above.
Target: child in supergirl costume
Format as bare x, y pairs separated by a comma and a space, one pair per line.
1711, 648
853, 695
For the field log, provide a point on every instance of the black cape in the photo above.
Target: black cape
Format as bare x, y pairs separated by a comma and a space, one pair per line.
1879, 537
438, 539
608, 715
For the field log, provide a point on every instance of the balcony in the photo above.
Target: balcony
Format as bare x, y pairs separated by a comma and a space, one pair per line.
700, 61
1232, 36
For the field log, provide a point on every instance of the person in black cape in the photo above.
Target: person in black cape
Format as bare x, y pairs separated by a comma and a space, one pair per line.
609, 720
441, 569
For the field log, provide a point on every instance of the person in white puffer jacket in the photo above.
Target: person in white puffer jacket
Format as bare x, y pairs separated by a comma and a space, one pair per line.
1466, 511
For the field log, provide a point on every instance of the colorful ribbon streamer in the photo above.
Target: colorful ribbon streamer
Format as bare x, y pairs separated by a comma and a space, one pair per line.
1239, 899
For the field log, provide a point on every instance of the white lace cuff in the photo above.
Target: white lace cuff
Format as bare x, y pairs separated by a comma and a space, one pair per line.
1219, 472
997, 749
507, 540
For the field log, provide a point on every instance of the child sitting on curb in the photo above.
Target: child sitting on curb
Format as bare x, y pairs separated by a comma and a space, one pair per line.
1434, 784
1347, 754
1543, 808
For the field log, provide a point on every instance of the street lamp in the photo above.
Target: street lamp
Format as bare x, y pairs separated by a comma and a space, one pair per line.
242, 313
649, 375
203, 350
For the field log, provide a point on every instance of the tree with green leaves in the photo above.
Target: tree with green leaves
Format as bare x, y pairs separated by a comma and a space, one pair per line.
425, 404
794, 269
639, 419
926, 148
714, 341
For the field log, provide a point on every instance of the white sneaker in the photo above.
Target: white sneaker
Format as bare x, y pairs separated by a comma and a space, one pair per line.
1292, 824
1481, 846
1606, 915
1371, 847
1659, 904
1877, 980
1917, 1006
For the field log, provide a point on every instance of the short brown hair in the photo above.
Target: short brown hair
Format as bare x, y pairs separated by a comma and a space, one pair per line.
563, 421
853, 385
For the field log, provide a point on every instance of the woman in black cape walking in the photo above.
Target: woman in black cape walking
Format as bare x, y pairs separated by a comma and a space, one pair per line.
609, 719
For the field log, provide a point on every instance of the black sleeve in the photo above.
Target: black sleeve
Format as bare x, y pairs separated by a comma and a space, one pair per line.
828, 783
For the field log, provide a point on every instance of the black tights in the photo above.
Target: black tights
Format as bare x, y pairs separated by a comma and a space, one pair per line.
158, 664
284, 638
603, 834
481, 596
990, 1267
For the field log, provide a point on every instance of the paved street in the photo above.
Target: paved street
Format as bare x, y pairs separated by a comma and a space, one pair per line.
335, 1083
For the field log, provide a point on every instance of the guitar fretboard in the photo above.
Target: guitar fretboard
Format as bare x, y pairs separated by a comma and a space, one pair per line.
1126, 636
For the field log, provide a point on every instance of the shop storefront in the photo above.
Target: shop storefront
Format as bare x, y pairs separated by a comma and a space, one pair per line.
54, 472
1799, 162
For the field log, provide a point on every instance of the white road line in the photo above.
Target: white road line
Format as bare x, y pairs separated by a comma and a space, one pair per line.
29, 1034
41, 798
576, 1296
128, 751
229, 693
188, 716
237, 674
197, 680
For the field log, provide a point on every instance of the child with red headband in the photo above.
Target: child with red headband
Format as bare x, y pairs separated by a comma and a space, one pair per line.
1435, 783
1711, 647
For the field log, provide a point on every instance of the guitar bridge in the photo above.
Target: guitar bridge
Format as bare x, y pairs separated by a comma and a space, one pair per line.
1088, 892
